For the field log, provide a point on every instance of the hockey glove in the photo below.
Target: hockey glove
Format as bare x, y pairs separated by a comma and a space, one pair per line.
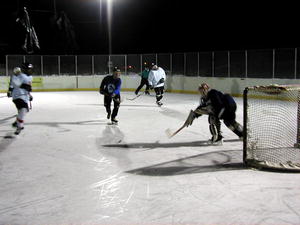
162, 80
117, 100
190, 118
9, 92
105, 93
30, 98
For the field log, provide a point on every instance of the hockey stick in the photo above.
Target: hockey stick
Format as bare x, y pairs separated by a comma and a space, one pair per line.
131, 99
170, 134
187, 123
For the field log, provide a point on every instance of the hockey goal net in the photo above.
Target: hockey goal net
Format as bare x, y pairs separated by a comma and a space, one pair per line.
272, 127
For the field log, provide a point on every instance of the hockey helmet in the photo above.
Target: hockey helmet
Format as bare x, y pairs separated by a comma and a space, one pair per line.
27, 68
116, 69
116, 72
203, 88
154, 66
27, 65
17, 70
146, 65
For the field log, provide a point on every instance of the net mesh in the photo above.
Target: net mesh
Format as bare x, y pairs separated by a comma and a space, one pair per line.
272, 127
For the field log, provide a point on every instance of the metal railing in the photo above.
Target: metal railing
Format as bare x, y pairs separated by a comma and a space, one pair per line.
265, 63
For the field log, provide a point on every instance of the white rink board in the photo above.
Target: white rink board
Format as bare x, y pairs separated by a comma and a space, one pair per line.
69, 167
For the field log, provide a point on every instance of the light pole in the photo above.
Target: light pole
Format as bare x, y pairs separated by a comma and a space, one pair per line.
109, 24
109, 18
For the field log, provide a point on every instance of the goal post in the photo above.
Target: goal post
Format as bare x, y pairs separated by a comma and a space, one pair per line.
272, 127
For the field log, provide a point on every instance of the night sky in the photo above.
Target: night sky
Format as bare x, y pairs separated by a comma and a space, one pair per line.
154, 26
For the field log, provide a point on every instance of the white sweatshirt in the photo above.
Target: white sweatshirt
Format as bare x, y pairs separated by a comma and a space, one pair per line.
155, 76
18, 92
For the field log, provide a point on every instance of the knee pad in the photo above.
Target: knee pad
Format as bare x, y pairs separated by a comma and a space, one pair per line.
213, 129
21, 113
214, 120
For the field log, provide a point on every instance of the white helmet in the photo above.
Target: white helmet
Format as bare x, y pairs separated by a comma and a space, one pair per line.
17, 70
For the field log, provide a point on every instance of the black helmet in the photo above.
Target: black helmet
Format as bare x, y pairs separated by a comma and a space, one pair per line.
27, 65
27, 68
146, 65
154, 66
116, 69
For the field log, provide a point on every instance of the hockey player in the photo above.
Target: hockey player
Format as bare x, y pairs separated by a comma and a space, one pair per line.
19, 90
156, 79
218, 106
144, 81
110, 87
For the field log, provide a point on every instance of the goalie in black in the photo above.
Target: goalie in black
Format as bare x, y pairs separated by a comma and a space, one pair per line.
217, 106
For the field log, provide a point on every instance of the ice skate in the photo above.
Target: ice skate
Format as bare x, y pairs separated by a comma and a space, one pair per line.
14, 124
108, 115
114, 121
18, 131
159, 103
217, 141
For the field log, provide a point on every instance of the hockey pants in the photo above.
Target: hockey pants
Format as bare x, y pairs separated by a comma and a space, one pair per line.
143, 82
231, 123
23, 109
159, 91
107, 105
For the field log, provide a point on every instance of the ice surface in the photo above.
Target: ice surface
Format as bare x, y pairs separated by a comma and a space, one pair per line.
69, 167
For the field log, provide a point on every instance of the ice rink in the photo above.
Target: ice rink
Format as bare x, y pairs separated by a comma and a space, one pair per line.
68, 166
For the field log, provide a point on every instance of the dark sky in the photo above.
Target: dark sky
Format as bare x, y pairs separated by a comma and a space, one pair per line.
155, 26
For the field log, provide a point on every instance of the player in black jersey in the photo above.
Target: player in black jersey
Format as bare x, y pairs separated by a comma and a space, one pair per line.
110, 87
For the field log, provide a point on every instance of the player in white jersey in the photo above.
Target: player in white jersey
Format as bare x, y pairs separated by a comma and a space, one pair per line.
156, 79
19, 89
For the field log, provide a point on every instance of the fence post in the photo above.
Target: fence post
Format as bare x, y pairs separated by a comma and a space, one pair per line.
212, 64
141, 63
171, 64
273, 66
295, 69
42, 65
228, 61
246, 63
125, 62
75, 60
58, 61
6, 64
109, 64
184, 64
198, 63
93, 65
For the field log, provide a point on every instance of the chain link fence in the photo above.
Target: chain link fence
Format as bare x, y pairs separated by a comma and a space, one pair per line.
267, 63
